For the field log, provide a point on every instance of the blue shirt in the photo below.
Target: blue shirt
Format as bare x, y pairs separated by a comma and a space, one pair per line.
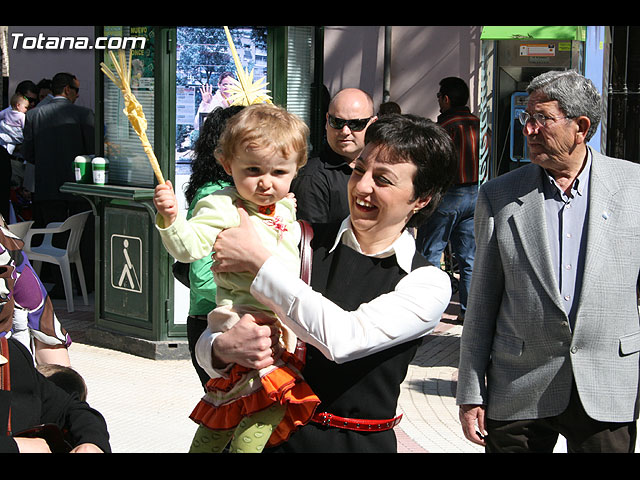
566, 226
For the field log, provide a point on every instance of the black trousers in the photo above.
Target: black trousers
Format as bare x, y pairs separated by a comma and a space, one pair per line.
583, 434
195, 327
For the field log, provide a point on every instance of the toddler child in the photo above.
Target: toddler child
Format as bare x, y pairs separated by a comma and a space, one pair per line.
262, 148
12, 123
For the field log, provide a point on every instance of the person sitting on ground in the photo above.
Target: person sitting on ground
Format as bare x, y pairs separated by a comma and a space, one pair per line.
30, 400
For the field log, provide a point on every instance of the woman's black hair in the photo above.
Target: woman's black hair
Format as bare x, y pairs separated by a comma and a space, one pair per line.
410, 138
205, 168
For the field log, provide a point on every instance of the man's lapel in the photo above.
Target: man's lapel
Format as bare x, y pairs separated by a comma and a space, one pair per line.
601, 222
531, 226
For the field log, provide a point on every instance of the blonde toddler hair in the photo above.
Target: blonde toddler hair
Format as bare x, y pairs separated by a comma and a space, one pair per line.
263, 126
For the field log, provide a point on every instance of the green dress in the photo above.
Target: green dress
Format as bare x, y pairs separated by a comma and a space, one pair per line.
202, 293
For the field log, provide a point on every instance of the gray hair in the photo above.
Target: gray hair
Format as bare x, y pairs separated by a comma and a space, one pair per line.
576, 95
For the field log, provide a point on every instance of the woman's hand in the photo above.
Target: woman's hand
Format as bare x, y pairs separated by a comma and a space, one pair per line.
252, 342
239, 249
207, 93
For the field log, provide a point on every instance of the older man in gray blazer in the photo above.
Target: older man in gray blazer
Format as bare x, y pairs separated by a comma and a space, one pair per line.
551, 339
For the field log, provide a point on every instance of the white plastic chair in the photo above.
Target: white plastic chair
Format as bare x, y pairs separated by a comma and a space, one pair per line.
46, 252
20, 229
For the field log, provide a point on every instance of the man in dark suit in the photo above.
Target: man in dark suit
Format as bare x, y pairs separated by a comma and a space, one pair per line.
54, 134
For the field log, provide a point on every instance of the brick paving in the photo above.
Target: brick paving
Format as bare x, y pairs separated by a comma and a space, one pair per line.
138, 395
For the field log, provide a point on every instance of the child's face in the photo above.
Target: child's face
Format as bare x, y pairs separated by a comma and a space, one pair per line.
22, 106
262, 176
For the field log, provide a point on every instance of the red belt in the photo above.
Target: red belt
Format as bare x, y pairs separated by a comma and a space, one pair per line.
360, 425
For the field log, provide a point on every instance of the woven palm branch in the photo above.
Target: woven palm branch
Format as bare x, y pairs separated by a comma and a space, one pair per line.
244, 90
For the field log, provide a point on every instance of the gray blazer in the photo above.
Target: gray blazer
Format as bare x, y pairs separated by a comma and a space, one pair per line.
54, 134
516, 332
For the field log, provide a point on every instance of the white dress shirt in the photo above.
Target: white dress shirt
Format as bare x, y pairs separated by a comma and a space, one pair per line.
411, 310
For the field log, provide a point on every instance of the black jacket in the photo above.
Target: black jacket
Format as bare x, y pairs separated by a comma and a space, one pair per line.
35, 400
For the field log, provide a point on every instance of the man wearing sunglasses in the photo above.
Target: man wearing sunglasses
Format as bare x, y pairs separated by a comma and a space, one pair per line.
552, 319
321, 186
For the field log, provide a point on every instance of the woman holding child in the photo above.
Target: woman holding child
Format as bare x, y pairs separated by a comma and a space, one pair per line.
371, 299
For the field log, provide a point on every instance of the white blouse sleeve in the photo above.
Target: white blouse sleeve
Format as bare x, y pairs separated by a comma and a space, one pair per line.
410, 311
204, 356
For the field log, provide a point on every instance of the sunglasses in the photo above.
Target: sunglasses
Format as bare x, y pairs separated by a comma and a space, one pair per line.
355, 125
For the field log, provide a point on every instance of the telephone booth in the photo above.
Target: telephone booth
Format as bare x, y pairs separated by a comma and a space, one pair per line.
511, 56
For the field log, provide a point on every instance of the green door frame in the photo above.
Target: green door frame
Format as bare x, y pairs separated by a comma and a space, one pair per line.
162, 324
165, 108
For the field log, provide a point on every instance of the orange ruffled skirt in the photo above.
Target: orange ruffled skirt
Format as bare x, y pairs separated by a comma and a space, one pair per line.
246, 391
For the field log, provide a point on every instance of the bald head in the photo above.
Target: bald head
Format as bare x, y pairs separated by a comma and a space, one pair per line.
353, 98
348, 104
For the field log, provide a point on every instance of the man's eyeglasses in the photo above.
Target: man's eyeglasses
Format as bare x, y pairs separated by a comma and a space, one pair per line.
538, 118
355, 125
76, 89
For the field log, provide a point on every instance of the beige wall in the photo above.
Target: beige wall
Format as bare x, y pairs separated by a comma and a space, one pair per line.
420, 57
353, 57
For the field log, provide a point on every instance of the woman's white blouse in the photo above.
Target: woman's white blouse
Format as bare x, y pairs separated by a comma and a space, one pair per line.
411, 310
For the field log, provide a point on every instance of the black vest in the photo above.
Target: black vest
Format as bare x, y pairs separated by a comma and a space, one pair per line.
366, 388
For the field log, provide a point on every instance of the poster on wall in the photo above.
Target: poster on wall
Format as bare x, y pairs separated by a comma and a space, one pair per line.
204, 64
